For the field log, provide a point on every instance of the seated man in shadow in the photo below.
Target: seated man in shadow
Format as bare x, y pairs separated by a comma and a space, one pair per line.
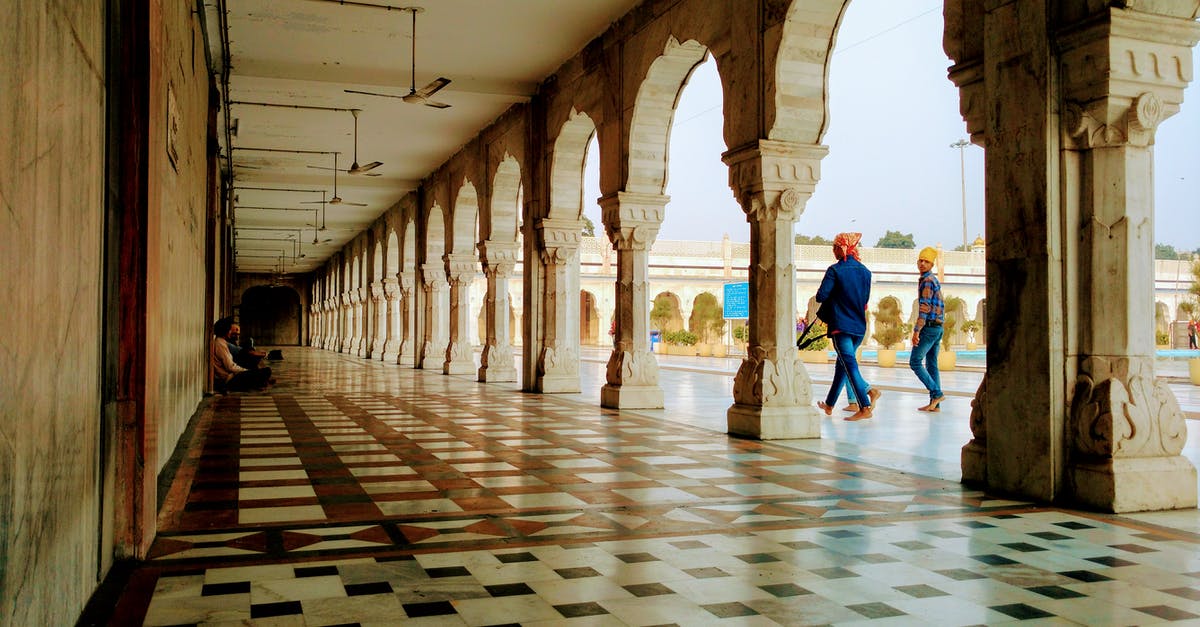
228, 376
242, 349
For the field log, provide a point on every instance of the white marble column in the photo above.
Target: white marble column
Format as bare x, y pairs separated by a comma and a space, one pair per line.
360, 322
632, 221
330, 339
558, 363
348, 322
408, 331
460, 358
772, 391
437, 315
497, 362
1122, 76
379, 328
391, 322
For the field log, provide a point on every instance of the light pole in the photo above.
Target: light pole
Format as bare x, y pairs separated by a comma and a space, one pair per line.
962, 168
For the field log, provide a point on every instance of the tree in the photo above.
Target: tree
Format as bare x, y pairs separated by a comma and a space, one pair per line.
661, 312
1165, 251
589, 227
896, 239
812, 240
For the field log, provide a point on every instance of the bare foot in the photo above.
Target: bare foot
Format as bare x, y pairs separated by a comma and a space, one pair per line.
851, 407
874, 395
933, 405
862, 414
825, 408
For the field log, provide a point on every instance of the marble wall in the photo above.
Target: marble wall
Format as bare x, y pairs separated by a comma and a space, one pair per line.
177, 325
51, 185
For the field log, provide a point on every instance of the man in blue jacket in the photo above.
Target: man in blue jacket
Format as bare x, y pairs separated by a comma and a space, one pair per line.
843, 295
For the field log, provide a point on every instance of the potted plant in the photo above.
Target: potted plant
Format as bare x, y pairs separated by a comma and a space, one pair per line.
685, 342
889, 330
971, 327
954, 307
716, 329
741, 335
818, 351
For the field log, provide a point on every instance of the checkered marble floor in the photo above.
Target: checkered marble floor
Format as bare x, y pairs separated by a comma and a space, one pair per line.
359, 493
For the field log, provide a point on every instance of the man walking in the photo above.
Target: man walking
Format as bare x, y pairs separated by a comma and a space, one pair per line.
927, 331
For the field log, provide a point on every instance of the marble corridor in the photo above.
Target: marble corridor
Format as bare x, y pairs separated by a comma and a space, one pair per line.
355, 492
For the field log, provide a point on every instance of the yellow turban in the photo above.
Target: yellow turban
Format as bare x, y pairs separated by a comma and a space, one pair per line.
929, 253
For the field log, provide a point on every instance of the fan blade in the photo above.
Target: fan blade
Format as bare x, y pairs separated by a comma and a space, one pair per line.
318, 167
433, 87
371, 93
436, 105
363, 169
313, 202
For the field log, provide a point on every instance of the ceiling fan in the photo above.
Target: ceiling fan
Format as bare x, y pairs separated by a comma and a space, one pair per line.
354, 167
317, 241
336, 200
414, 95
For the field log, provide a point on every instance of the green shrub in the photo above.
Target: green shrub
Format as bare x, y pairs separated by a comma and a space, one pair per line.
955, 309
741, 333
889, 327
817, 329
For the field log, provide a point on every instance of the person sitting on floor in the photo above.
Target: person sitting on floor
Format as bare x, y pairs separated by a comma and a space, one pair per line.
227, 375
242, 349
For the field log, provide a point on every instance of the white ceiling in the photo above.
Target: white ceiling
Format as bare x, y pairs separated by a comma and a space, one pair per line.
307, 52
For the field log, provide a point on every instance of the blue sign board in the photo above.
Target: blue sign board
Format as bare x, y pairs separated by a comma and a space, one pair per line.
737, 301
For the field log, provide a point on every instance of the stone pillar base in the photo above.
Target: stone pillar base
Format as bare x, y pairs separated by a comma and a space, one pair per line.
631, 397
458, 367
497, 374
391, 352
558, 384
1134, 484
773, 423
974, 463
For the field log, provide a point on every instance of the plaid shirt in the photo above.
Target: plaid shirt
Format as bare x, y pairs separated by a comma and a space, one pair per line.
931, 307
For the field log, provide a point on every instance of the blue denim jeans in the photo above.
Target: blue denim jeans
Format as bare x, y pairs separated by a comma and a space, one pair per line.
924, 358
845, 372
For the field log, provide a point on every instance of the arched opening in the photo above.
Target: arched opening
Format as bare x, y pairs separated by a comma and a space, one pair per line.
665, 314
270, 315
589, 319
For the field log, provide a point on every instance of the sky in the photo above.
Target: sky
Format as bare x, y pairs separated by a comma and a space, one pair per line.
893, 115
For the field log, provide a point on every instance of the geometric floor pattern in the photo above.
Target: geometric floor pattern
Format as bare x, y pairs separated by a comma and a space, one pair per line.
357, 493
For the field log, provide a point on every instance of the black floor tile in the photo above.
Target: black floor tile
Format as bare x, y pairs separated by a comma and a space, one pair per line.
512, 558
1166, 612
706, 573
448, 571
1085, 575
875, 610
1108, 560
282, 608
785, 589
508, 589
729, 610
993, 560
1021, 611
432, 608
836, 572
921, 591
235, 587
1056, 592
575, 610
647, 589
577, 573
315, 571
362, 589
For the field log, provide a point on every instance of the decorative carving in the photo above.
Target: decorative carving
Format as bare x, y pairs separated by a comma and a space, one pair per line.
783, 382
562, 360
1119, 409
631, 368
1146, 112
978, 423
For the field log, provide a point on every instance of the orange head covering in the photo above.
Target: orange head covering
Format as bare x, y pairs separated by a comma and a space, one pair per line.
846, 245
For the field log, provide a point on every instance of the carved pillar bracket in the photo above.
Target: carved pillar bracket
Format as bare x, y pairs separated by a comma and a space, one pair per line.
497, 362
974, 453
558, 363
1122, 76
968, 77
347, 322
631, 221
461, 270
773, 181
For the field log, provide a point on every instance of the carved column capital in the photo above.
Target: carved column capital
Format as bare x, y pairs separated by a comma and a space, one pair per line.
433, 274
499, 258
391, 290
972, 96
1122, 76
773, 180
406, 281
461, 268
632, 219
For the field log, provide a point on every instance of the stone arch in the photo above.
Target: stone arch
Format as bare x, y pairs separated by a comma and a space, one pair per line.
653, 113
566, 167
435, 235
391, 255
377, 262
271, 315
706, 313
408, 256
796, 102
981, 318
589, 318
1162, 318
506, 196
464, 222
674, 320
